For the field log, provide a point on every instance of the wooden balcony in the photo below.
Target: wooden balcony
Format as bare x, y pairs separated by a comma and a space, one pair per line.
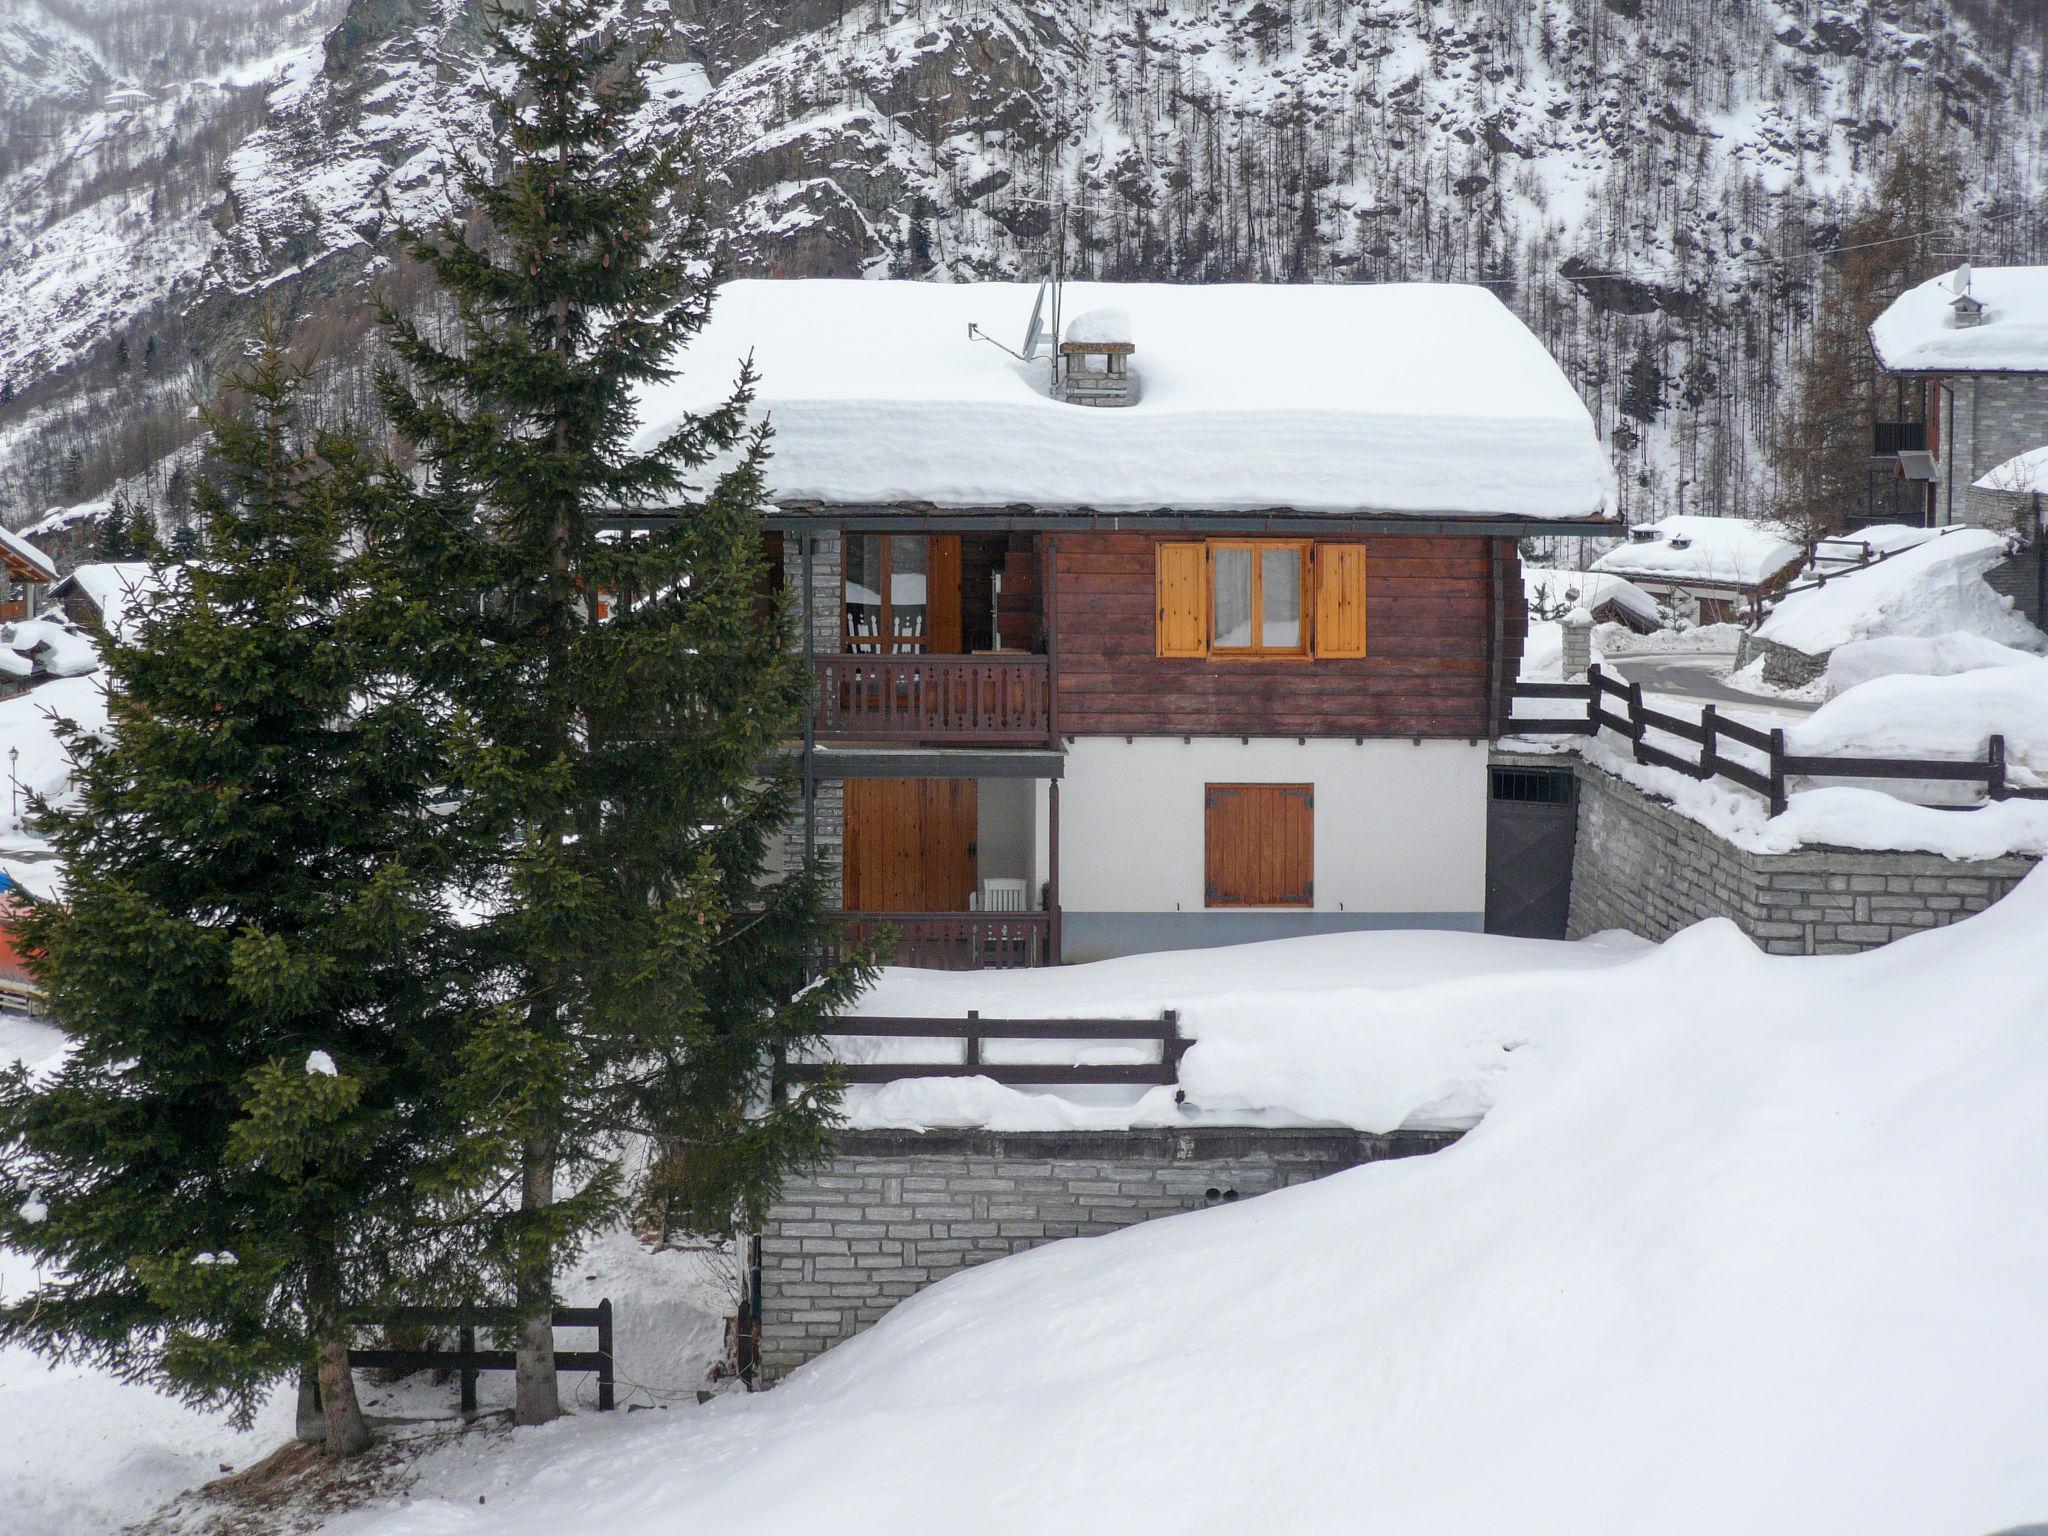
934, 700
957, 941
1889, 439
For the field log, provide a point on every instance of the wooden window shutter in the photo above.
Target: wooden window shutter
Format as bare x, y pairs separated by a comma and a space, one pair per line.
1259, 845
1340, 600
1183, 600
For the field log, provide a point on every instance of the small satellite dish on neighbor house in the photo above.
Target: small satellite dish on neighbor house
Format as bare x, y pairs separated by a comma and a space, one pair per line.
1034, 334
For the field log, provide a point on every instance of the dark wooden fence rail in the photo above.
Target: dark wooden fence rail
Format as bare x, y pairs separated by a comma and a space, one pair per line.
1870, 557
953, 941
1636, 719
467, 1360
974, 1031
994, 699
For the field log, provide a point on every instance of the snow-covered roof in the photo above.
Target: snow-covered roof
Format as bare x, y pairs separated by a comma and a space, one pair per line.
1918, 333
1596, 589
111, 587
1936, 588
22, 557
1391, 398
1703, 551
2022, 474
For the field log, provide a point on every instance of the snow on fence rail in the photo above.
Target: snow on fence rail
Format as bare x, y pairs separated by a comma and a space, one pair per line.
1712, 729
973, 1031
21, 998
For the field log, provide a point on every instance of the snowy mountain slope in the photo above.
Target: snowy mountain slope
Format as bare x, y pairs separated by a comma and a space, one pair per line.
1704, 1267
45, 62
1646, 184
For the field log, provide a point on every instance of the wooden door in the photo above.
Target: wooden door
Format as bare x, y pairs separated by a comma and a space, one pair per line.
1260, 842
910, 845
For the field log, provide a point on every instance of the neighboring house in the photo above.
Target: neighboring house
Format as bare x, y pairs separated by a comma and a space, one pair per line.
25, 572
18, 991
1606, 599
1216, 658
98, 596
1975, 349
1714, 567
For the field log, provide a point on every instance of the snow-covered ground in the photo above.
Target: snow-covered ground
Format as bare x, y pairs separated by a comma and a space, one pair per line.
1743, 1244
81, 1451
1934, 588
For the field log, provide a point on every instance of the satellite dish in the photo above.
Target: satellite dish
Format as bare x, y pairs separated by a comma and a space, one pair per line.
1963, 279
1035, 332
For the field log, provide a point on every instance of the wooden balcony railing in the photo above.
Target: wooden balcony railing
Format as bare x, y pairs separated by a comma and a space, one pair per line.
985, 699
956, 941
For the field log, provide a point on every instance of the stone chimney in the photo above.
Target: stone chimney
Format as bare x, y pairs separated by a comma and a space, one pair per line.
1095, 359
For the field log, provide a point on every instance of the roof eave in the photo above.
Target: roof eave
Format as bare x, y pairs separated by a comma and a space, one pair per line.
931, 517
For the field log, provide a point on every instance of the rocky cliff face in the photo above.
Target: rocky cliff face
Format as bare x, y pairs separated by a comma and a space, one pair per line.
1645, 181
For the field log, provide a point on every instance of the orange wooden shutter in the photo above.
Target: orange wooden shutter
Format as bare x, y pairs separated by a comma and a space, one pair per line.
1340, 600
1259, 845
1183, 605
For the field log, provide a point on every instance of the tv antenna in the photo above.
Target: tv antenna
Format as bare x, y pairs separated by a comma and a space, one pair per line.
1053, 288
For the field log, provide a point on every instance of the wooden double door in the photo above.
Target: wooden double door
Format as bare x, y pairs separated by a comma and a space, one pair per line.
910, 845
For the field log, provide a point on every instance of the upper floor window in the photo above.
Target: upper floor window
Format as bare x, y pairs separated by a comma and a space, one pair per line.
1261, 597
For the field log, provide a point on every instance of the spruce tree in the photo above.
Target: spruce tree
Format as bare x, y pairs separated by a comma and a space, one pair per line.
623, 702
250, 958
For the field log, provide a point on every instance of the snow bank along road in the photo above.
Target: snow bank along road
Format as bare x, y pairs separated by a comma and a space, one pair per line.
1699, 677
1742, 1244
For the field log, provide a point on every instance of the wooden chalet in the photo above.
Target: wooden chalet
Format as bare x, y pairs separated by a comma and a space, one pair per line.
1218, 658
25, 573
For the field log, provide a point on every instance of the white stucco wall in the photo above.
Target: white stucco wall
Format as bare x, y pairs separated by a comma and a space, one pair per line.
1400, 826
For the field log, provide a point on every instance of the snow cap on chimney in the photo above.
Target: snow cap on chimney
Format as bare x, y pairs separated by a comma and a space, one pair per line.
1095, 359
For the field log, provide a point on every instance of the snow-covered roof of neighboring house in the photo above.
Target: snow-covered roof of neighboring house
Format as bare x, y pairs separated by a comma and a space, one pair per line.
2022, 474
23, 560
1596, 589
49, 645
110, 586
1405, 398
1730, 552
1935, 588
1918, 333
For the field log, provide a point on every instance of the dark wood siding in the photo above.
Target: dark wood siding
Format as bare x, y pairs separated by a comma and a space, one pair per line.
1433, 610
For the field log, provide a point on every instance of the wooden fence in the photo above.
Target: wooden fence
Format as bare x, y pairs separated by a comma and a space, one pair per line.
974, 1032
467, 1360
20, 998
1713, 731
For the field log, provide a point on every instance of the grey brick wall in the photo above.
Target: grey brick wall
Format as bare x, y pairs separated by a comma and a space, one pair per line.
895, 1211
1996, 416
2020, 579
1641, 866
830, 794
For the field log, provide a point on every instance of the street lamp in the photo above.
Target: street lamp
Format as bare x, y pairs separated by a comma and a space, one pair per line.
13, 786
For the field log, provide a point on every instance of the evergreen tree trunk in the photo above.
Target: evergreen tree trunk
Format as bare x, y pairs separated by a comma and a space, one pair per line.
537, 1394
340, 1409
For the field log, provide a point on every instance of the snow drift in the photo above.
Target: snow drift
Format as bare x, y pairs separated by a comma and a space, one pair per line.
1744, 1244
1932, 589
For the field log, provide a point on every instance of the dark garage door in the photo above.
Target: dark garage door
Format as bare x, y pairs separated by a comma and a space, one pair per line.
1531, 817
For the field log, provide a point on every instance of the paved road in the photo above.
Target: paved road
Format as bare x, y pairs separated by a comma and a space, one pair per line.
1692, 675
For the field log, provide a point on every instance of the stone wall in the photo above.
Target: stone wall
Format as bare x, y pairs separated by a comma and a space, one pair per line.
1996, 416
1641, 866
2021, 579
1784, 666
829, 795
895, 1211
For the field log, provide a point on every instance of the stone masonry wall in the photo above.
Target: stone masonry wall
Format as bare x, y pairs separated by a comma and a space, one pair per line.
1641, 866
1996, 417
830, 794
1784, 666
895, 1211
